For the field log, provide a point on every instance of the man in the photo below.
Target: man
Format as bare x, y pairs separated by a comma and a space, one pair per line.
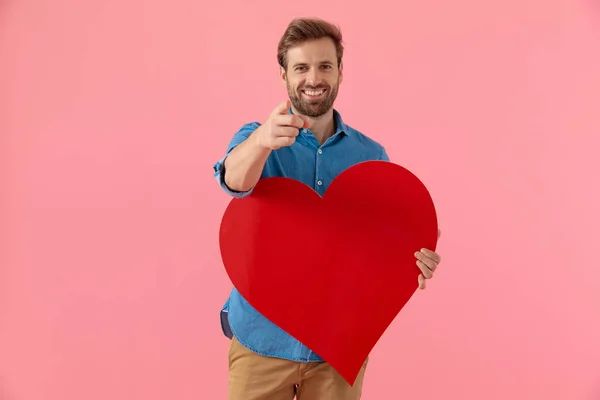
305, 139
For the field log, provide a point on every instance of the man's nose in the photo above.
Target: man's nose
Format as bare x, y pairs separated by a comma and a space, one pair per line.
312, 77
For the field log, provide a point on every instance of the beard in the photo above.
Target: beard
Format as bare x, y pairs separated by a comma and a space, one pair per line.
313, 107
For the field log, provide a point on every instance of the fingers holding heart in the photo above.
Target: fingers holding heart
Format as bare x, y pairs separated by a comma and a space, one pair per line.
433, 256
427, 261
425, 270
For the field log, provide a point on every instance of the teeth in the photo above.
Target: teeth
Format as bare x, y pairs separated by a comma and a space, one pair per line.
313, 93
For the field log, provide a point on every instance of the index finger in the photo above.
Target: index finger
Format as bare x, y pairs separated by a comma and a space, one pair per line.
290, 120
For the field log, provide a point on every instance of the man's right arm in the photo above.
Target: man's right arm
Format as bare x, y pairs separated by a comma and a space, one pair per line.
241, 168
239, 148
245, 163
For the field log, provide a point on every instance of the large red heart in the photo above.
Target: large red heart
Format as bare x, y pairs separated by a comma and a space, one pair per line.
333, 272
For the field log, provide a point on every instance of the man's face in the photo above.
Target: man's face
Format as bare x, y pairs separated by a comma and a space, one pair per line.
312, 77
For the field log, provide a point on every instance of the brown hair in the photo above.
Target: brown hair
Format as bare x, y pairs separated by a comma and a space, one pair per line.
301, 30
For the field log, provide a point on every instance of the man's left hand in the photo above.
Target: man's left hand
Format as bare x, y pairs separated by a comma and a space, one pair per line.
427, 261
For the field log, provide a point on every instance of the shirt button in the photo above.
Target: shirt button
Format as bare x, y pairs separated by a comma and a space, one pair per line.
320, 151
319, 183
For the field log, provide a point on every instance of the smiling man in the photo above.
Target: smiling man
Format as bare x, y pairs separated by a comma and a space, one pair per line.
306, 139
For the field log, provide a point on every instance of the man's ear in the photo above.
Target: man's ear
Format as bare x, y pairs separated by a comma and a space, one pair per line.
341, 71
283, 75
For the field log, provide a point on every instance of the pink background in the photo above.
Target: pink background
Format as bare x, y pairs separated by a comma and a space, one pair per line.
113, 112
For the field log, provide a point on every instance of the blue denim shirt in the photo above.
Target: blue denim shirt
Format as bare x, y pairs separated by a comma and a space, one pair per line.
315, 165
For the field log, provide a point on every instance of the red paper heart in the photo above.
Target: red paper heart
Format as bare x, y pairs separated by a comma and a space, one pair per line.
333, 272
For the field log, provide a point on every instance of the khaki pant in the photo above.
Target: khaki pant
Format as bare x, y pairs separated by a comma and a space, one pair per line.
256, 377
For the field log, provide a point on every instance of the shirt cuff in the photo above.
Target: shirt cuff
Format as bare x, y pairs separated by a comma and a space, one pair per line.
219, 174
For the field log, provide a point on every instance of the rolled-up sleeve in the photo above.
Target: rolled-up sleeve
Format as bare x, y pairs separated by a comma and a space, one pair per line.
384, 156
219, 166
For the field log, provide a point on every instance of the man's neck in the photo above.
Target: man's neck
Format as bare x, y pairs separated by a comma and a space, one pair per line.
322, 127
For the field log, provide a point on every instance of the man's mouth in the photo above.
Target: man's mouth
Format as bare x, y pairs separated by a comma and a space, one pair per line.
313, 93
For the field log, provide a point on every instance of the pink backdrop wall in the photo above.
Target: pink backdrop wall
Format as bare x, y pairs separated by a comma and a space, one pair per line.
112, 113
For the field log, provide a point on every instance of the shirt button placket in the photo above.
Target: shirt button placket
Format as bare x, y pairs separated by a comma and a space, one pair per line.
319, 182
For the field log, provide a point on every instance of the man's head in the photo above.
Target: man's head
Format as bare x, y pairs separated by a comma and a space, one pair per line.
310, 56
